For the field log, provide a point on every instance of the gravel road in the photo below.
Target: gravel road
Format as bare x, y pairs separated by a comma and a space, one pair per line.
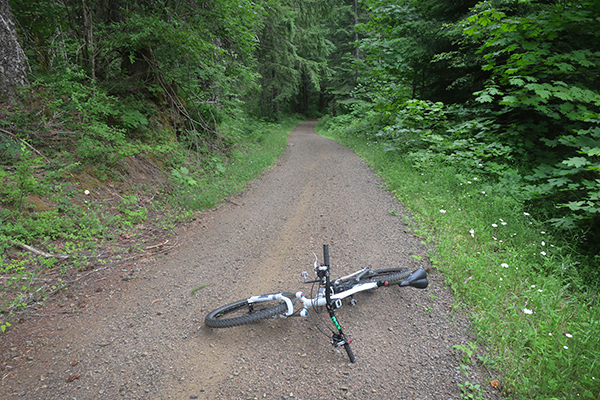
145, 338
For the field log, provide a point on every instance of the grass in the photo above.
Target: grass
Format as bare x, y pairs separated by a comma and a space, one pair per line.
532, 312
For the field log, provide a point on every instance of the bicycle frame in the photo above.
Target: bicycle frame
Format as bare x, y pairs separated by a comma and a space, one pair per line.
320, 300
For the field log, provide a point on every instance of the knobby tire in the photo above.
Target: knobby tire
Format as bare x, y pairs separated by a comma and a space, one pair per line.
241, 313
350, 353
392, 276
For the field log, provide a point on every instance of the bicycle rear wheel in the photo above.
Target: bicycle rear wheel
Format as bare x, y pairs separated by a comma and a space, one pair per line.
242, 312
391, 275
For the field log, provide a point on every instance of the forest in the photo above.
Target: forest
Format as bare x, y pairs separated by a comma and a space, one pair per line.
190, 88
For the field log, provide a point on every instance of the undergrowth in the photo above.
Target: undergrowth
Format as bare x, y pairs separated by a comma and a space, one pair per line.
534, 312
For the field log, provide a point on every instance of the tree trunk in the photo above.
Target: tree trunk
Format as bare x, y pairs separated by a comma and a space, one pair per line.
13, 73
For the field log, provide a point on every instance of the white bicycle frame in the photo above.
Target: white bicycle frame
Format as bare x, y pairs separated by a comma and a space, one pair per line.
320, 299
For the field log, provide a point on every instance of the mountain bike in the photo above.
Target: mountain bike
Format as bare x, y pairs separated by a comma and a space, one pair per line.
329, 294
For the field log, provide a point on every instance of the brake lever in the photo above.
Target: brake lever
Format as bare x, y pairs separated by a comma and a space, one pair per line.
316, 266
305, 276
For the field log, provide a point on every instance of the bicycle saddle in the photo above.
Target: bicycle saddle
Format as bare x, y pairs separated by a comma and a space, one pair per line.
418, 279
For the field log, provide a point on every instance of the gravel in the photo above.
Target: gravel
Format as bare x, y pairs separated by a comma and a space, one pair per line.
144, 337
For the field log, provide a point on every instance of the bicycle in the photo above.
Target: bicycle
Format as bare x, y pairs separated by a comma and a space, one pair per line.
329, 294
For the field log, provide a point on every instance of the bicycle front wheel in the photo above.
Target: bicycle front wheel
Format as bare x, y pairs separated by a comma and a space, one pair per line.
391, 275
243, 312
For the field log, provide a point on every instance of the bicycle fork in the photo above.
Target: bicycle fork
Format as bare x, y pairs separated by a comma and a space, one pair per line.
337, 339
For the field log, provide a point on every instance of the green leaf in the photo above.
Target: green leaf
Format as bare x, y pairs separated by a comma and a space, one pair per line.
544, 94
593, 152
558, 182
517, 80
564, 67
576, 162
485, 98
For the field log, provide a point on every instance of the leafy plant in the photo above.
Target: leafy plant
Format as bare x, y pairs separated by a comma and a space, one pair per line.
5, 326
467, 351
182, 177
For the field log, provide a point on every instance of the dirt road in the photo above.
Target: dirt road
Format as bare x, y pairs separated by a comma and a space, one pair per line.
145, 338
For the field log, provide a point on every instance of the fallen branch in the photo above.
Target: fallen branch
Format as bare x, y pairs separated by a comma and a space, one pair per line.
40, 252
157, 245
25, 143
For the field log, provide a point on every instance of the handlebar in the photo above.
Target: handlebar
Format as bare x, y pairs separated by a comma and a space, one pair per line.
326, 255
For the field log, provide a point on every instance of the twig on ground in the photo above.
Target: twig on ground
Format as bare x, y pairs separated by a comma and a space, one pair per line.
25, 143
40, 252
157, 245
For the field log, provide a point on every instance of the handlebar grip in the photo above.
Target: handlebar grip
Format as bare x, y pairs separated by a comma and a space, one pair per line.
326, 255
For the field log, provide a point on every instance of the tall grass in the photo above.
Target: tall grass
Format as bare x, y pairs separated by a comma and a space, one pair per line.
531, 310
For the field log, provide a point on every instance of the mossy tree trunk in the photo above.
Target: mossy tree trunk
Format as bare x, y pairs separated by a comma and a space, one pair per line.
13, 72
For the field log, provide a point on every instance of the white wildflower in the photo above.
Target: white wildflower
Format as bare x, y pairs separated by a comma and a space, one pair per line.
528, 311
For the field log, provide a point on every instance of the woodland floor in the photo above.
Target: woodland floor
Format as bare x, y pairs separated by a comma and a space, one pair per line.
135, 331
